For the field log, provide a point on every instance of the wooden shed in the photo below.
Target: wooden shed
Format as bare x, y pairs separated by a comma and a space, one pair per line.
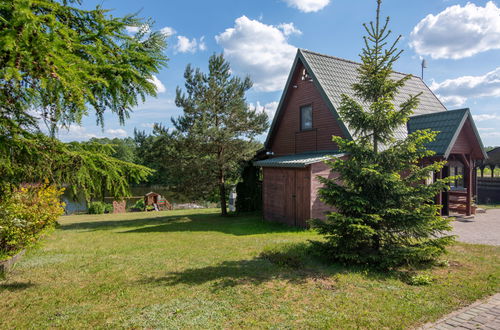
290, 187
157, 201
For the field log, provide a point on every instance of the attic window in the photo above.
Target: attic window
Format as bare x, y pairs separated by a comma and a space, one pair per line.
306, 122
305, 75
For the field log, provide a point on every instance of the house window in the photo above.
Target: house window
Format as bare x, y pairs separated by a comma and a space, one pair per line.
457, 183
306, 119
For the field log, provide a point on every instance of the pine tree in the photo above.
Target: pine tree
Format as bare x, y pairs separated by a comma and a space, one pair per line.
385, 213
217, 126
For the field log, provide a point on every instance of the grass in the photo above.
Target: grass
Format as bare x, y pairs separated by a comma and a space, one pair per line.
489, 206
194, 269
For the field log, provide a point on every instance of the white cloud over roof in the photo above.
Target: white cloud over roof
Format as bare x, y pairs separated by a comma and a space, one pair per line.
259, 50
457, 91
458, 32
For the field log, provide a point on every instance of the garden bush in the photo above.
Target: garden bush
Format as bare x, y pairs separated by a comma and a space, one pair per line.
140, 205
108, 208
96, 208
25, 214
100, 208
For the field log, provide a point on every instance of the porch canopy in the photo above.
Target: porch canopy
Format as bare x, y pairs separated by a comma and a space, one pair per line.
458, 143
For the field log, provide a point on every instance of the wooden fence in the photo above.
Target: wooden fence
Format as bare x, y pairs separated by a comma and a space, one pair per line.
488, 190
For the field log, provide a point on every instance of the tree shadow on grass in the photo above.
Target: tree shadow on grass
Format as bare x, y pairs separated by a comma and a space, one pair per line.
15, 286
260, 269
248, 224
233, 273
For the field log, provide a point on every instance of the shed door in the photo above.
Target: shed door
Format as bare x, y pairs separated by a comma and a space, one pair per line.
287, 195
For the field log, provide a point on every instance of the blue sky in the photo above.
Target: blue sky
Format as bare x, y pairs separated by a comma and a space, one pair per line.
460, 41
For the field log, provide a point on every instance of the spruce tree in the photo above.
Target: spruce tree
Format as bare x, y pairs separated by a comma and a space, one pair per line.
385, 214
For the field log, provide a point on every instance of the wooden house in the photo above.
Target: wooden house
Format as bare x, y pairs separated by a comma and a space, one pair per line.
299, 140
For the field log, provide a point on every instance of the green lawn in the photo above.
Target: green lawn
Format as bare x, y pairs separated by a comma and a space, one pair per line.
194, 269
489, 206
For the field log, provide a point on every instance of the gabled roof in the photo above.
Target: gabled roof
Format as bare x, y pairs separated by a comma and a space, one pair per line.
449, 124
493, 157
333, 76
298, 160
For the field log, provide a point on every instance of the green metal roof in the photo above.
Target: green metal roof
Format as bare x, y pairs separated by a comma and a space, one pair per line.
447, 123
334, 76
298, 160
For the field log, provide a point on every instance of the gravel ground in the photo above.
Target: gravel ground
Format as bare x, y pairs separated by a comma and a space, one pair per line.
483, 228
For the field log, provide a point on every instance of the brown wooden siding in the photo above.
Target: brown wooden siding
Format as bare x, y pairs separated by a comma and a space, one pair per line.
318, 208
286, 195
467, 143
287, 137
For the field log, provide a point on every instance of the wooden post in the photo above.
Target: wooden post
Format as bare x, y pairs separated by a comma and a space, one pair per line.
439, 197
468, 210
444, 195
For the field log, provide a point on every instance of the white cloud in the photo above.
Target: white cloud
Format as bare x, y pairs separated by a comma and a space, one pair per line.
132, 29
119, 132
160, 88
135, 29
147, 125
259, 50
201, 45
289, 29
457, 91
155, 104
186, 45
168, 31
458, 32
486, 117
268, 108
308, 6
491, 135
75, 133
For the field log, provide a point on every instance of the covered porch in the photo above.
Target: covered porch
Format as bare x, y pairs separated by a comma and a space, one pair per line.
459, 144
461, 196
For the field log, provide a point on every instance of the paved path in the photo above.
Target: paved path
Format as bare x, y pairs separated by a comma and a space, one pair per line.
483, 314
483, 228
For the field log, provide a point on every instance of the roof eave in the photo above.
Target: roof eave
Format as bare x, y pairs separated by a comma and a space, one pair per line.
282, 100
322, 92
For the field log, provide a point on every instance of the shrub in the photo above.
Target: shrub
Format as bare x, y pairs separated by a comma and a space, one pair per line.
26, 213
108, 208
96, 208
139, 205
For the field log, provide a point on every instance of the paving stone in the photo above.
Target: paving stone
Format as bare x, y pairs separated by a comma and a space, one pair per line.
466, 316
484, 314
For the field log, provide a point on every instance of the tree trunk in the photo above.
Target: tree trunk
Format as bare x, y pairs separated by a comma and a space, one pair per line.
222, 193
